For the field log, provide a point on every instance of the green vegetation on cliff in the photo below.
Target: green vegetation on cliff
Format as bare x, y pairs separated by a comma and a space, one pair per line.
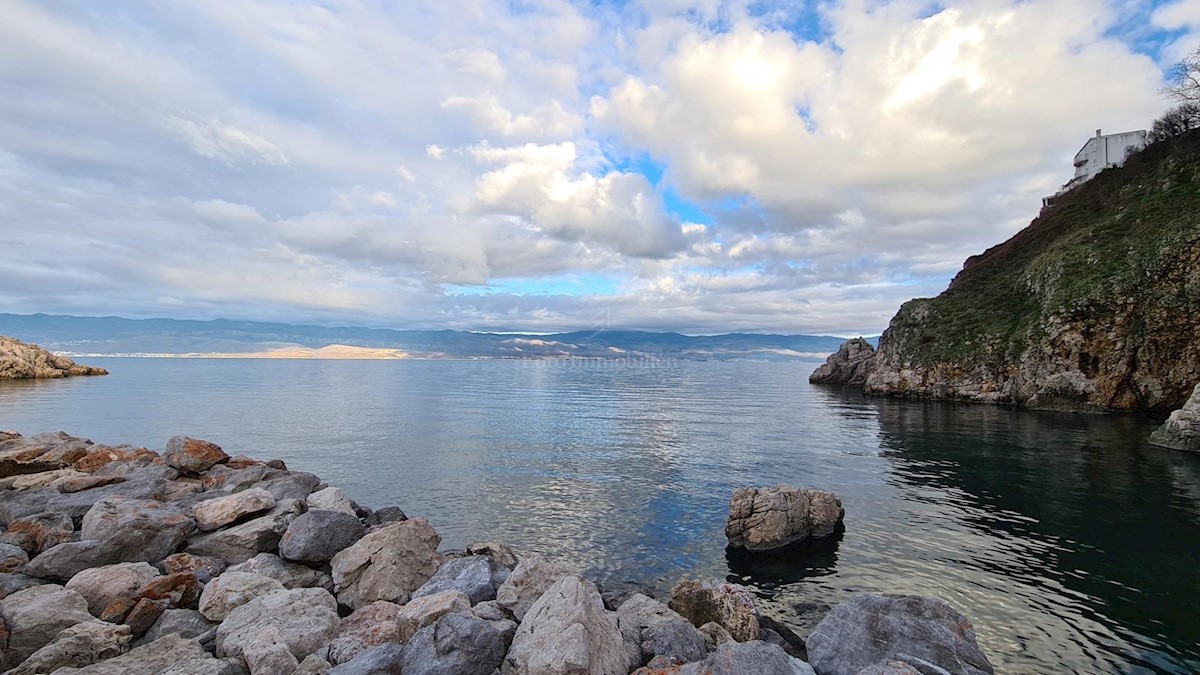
1109, 241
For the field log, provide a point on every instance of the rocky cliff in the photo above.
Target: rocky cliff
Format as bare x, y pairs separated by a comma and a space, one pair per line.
1093, 306
20, 361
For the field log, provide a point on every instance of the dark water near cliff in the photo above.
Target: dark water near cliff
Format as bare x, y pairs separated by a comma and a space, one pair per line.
1071, 544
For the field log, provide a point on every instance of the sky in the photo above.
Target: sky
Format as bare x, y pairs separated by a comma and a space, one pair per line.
708, 166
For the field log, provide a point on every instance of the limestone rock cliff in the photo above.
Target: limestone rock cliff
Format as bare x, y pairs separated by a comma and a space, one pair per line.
1181, 431
850, 365
1093, 306
20, 361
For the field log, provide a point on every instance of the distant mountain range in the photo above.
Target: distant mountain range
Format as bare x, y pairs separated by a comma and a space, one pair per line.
111, 336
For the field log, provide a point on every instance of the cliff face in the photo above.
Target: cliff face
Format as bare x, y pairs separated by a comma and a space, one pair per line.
1094, 306
20, 361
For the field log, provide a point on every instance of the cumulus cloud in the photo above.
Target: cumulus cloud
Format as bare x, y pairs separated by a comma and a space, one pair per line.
409, 164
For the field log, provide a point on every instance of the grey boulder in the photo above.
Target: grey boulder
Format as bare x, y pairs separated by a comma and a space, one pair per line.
476, 576
871, 629
729, 605
79, 645
382, 660
307, 618
35, 616
387, 564
141, 530
748, 658
315, 537
649, 629
457, 644
291, 575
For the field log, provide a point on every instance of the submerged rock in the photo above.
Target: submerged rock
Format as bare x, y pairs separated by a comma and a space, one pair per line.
850, 364
1181, 431
871, 629
762, 519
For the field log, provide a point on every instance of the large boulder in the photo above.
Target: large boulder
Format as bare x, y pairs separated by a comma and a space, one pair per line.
743, 658
75, 646
188, 623
291, 575
105, 586
1181, 431
202, 567
567, 631
267, 653
423, 611
387, 564
477, 576
761, 519
649, 629
35, 616
307, 618
40, 531
457, 644
169, 655
192, 454
330, 499
216, 513
872, 629
232, 590
367, 627
385, 659
140, 530
528, 581
729, 605
242, 542
850, 364
316, 536
64, 561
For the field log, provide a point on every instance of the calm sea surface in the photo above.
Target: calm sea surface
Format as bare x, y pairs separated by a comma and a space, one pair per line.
1071, 544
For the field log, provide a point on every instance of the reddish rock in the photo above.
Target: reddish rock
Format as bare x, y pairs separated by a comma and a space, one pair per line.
40, 531
180, 590
193, 455
203, 568
241, 462
144, 614
101, 456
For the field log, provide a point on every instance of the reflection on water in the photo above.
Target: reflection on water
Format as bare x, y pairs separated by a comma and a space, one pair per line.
1070, 543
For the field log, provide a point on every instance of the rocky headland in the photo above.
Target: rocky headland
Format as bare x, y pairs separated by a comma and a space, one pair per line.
1092, 307
119, 559
21, 361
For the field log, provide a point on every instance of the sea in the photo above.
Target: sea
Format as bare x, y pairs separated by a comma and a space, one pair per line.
1071, 544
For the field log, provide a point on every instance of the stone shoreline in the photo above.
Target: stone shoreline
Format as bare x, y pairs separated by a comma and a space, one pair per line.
22, 361
124, 560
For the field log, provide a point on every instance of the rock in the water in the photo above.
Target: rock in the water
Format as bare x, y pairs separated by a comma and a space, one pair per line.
35, 616
77, 646
456, 644
307, 618
387, 564
382, 660
649, 629
1181, 431
169, 655
188, 623
112, 585
40, 531
744, 658
729, 605
316, 536
850, 364
140, 530
761, 519
421, 612
531, 577
232, 590
216, 513
477, 576
330, 499
241, 542
871, 629
267, 654
22, 361
192, 454
567, 631
368, 627
291, 575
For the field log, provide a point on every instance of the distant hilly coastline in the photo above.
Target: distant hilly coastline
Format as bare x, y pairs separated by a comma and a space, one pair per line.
113, 336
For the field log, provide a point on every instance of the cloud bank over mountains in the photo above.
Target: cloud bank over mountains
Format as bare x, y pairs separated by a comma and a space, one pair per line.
545, 165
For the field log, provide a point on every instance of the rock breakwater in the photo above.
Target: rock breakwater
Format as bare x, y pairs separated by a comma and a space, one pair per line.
118, 559
21, 361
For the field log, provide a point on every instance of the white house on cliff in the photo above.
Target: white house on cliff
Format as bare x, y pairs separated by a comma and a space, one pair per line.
1099, 153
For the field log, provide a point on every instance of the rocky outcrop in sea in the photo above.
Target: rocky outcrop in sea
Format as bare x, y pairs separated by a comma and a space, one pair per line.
849, 365
118, 559
21, 361
1181, 431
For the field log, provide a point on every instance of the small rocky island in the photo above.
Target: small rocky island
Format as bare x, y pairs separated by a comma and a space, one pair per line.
21, 361
121, 560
